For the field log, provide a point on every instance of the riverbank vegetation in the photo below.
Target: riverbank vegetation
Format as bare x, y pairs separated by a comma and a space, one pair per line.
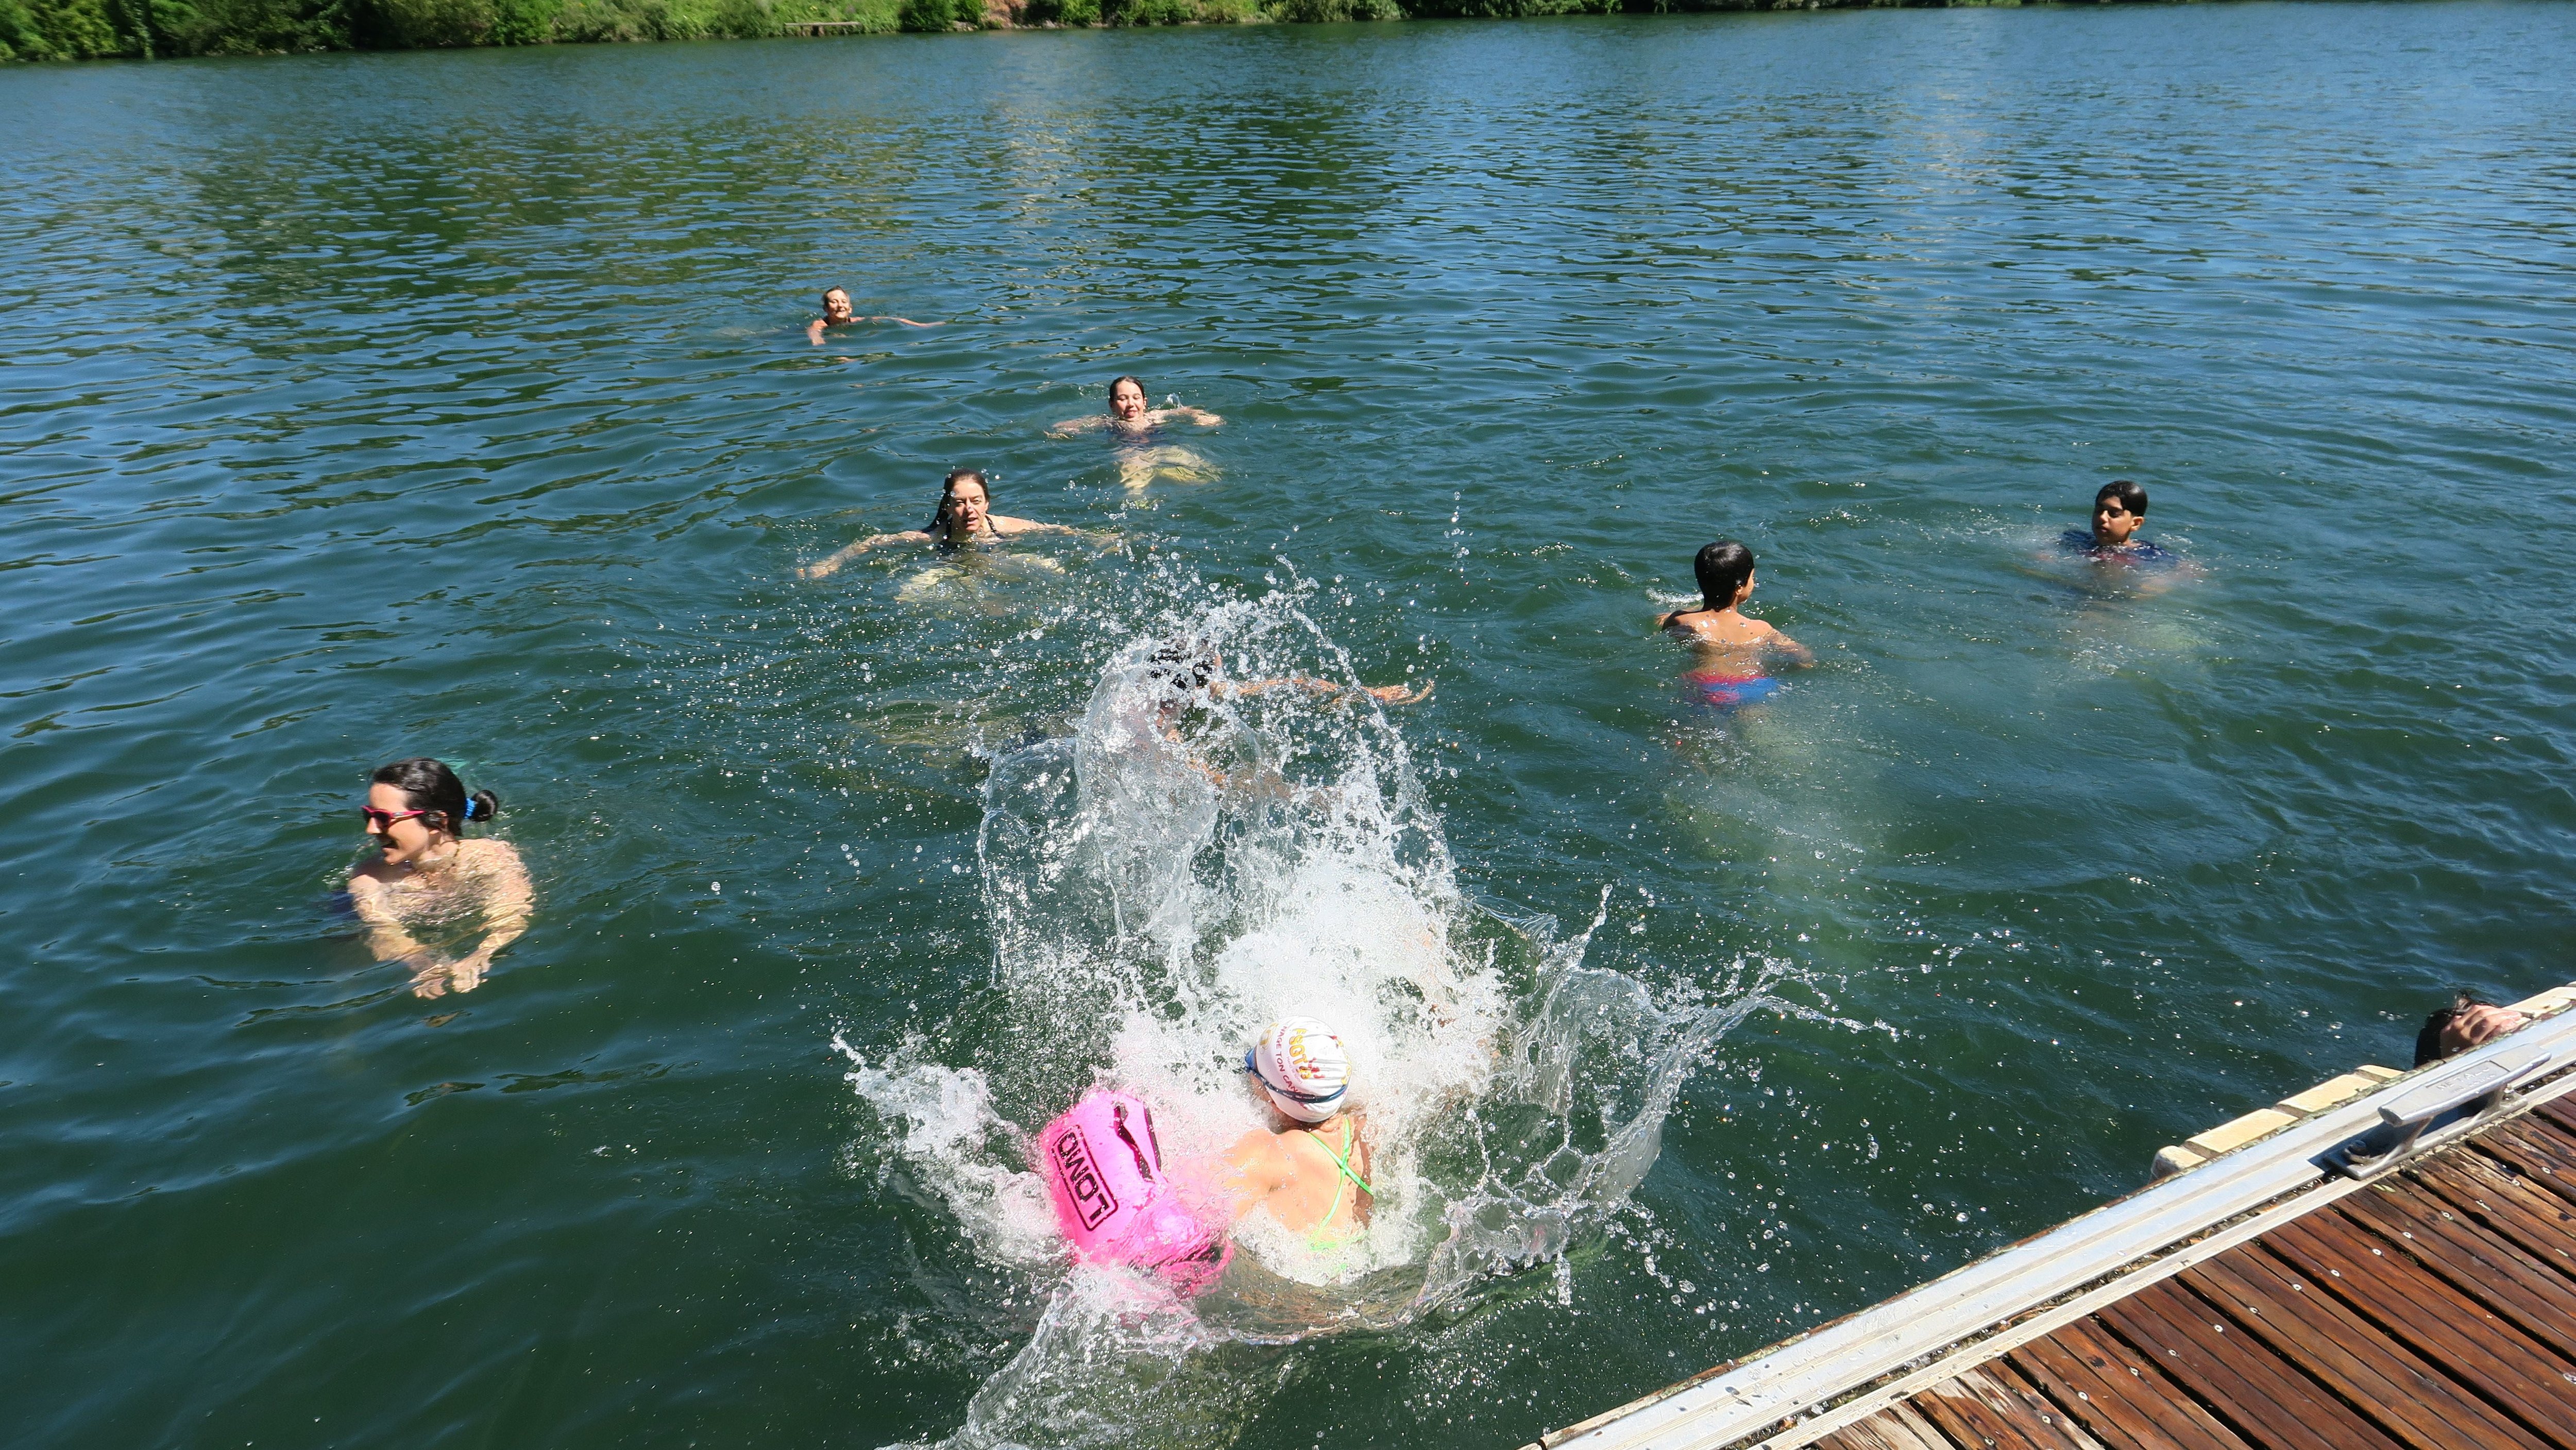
86, 29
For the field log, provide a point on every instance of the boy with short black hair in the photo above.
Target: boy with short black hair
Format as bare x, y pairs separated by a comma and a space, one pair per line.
2119, 511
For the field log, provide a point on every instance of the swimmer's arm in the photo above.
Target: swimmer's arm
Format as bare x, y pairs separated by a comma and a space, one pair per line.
814, 332
1391, 694
386, 938
906, 321
832, 563
1200, 416
505, 914
1788, 649
1071, 426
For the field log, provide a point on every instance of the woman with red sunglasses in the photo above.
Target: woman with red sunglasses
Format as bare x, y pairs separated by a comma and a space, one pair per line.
426, 877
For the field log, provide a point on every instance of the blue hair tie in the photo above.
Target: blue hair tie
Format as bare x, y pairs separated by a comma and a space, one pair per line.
469, 810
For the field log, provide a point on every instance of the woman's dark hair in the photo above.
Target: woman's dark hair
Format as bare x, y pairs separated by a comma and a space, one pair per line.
1131, 378
948, 489
1722, 568
428, 785
2131, 497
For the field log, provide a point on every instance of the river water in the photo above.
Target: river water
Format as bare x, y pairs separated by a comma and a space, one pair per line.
364, 406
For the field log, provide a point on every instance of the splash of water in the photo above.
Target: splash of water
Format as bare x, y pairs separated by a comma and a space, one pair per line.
1199, 858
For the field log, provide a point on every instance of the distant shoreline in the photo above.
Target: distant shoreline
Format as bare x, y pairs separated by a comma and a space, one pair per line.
57, 30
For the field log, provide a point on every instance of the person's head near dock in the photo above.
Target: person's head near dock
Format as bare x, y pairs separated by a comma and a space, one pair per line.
2470, 1021
1309, 1172
2119, 510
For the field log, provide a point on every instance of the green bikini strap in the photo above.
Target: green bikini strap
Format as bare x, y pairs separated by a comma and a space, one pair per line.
1341, 1161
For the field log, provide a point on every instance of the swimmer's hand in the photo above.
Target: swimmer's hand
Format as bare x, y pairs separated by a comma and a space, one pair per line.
1200, 416
435, 978
1401, 694
814, 332
429, 973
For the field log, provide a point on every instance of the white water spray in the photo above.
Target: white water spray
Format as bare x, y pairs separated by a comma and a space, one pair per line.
1233, 834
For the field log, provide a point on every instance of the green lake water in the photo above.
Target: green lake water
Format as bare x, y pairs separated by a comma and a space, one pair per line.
355, 407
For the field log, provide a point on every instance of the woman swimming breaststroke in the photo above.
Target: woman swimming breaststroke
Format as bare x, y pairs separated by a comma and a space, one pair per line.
965, 516
1732, 652
425, 872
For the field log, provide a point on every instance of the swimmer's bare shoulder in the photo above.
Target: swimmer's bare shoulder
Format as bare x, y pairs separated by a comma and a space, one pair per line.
1726, 629
1004, 524
1257, 1165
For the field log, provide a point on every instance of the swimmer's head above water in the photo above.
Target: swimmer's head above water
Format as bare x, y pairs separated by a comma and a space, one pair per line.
965, 506
415, 807
1177, 671
1126, 399
1303, 1069
1725, 572
2118, 510
836, 307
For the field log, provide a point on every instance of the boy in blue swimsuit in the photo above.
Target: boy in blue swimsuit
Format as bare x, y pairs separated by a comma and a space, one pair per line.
1732, 652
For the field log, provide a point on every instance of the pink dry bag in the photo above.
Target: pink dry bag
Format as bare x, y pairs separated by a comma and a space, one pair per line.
1104, 1170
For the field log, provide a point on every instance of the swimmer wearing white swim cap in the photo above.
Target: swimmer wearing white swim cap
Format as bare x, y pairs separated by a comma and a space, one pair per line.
1312, 1176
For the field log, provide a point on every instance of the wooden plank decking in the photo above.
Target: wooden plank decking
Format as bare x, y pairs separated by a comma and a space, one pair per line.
2258, 1301
2432, 1310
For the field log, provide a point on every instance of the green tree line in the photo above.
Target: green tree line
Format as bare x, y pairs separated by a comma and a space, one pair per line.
83, 29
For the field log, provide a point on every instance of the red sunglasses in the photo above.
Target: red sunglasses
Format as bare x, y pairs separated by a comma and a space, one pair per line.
384, 820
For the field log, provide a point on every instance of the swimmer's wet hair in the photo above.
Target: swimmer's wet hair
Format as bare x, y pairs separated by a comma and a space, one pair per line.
2131, 497
1141, 389
948, 488
428, 785
1181, 668
1722, 568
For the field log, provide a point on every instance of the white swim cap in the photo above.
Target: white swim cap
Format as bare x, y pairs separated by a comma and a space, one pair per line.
1304, 1068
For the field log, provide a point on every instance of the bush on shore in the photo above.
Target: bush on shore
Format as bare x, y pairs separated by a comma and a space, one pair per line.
84, 29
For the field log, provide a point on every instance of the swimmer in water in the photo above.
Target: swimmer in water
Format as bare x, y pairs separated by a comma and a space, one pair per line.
1310, 1171
1128, 414
965, 517
1731, 651
424, 871
1131, 424
2119, 511
836, 313
1178, 673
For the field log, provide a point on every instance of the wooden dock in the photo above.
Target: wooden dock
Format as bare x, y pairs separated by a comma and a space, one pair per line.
2397, 1269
